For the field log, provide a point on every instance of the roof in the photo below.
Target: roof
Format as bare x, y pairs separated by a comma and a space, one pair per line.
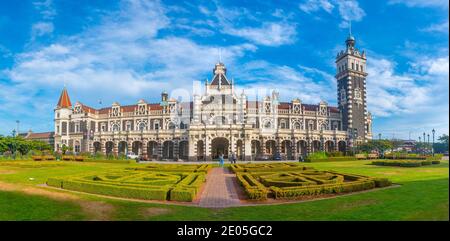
287, 105
40, 135
64, 100
220, 78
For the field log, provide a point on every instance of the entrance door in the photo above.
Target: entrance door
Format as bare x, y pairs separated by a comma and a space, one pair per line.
219, 146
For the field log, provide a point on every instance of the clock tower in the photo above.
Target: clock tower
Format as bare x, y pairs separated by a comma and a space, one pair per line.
351, 89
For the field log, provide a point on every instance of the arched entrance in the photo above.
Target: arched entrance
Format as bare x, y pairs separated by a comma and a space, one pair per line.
123, 147
136, 147
256, 148
315, 146
302, 147
167, 150
342, 146
329, 146
184, 150
109, 147
286, 149
271, 148
152, 149
240, 150
200, 150
97, 147
219, 145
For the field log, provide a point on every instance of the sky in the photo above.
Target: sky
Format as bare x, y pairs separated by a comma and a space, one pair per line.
125, 50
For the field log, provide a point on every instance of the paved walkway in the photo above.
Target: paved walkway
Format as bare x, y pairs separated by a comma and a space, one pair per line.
220, 189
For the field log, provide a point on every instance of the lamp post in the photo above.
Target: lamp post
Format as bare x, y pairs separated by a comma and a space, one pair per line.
419, 144
428, 142
379, 136
432, 145
424, 143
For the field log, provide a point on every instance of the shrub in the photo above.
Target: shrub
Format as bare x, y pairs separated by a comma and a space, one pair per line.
382, 182
435, 162
182, 194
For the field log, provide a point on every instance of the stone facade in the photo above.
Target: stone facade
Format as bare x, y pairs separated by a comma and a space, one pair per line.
219, 120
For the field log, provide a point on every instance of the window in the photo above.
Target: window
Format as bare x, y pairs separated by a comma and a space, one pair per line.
142, 126
156, 126
103, 127
128, 126
353, 66
77, 128
115, 127
357, 67
283, 125
171, 126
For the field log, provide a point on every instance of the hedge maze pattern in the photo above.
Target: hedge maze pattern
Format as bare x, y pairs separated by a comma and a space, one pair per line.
293, 181
151, 182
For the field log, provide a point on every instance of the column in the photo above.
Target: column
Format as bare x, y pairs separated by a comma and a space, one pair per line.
192, 149
103, 147
159, 150
144, 148
294, 149
207, 149
116, 148
278, 146
130, 147
247, 150
176, 152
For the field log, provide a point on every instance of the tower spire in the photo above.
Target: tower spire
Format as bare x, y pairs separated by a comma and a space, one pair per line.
64, 100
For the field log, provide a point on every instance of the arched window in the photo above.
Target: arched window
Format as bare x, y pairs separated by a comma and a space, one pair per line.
142, 126
171, 126
115, 127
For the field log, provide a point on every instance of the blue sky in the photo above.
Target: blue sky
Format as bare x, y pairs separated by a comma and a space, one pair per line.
131, 49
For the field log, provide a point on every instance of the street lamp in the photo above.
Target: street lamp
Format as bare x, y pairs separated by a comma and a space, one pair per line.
418, 151
428, 142
379, 136
424, 143
432, 146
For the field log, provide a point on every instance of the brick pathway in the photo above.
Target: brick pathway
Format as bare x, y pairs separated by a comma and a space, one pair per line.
220, 189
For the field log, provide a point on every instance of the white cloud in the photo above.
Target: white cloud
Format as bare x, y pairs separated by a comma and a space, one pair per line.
261, 32
41, 28
349, 10
421, 3
45, 8
123, 57
440, 27
269, 33
313, 85
315, 5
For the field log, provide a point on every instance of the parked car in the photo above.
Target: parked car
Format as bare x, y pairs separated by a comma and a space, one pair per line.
262, 157
277, 157
131, 155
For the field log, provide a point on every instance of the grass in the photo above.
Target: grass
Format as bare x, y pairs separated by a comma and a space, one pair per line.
423, 195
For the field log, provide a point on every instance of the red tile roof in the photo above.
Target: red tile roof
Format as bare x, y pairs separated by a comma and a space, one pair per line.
64, 100
39, 135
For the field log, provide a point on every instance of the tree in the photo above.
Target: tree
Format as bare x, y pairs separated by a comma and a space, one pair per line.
442, 145
375, 145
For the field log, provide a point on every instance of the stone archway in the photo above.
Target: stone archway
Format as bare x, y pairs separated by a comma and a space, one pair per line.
286, 149
136, 147
329, 146
219, 145
167, 150
97, 147
271, 148
152, 149
342, 146
256, 149
239, 150
315, 146
183, 150
123, 147
302, 147
109, 146
200, 150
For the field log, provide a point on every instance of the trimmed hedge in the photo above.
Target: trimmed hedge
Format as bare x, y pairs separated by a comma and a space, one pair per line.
281, 184
253, 188
176, 186
333, 159
404, 163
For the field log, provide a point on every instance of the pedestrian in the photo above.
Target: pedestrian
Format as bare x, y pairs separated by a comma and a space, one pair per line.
233, 158
221, 161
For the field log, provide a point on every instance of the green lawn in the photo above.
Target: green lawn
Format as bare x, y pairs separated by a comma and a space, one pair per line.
423, 195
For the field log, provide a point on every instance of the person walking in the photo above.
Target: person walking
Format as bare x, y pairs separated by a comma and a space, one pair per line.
221, 161
233, 158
